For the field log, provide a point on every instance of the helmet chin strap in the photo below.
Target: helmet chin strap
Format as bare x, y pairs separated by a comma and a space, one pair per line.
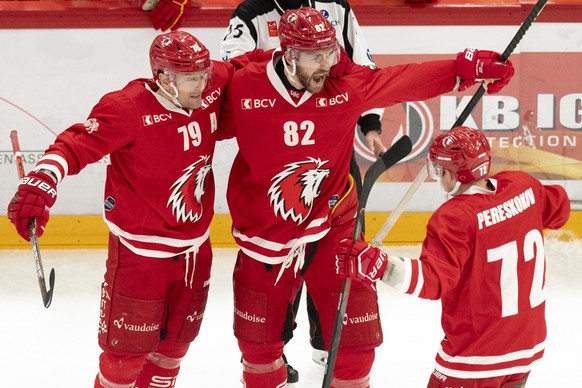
450, 194
290, 73
174, 97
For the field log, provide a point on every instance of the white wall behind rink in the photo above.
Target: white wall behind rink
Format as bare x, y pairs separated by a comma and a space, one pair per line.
51, 78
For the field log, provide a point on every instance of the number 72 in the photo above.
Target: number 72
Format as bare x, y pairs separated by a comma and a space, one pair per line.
533, 248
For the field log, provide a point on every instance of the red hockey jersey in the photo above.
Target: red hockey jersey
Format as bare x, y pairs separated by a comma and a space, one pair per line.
159, 191
293, 159
483, 256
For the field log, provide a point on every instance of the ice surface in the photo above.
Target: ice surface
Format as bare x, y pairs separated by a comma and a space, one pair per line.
57, 347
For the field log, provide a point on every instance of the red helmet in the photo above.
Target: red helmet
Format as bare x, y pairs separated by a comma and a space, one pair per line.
306, 29
179, 52
464, 151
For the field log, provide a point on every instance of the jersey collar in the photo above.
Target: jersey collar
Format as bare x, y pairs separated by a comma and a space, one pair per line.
278, 84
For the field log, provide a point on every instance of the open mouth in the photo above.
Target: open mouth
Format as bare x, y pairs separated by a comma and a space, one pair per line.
319, 78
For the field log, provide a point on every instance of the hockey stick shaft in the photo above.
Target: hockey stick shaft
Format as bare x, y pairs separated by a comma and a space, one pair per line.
379, 238
421, 177
536, 10
397, 152
47, 294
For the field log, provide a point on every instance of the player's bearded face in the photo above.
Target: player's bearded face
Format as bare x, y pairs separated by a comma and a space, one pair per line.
190, 87
313, 67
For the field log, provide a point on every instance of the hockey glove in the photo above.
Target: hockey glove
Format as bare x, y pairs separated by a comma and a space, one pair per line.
358, 260
170, 14
36, 194
472, 65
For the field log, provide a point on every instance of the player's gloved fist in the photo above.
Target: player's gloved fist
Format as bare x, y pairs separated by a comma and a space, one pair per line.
36, 194
170, 14
472, 65
358, 260
342, 66
496, 86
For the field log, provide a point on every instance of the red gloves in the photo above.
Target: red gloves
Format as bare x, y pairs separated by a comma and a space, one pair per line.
170, 14
358, 260
36, 194
472, 65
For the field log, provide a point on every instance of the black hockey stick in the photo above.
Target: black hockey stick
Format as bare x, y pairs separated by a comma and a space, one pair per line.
421, 177
47, 295
393, 155
536, 10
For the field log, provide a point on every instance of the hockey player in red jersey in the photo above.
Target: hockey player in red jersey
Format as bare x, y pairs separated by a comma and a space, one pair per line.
483, 257
253, 25
160, 134
290, 189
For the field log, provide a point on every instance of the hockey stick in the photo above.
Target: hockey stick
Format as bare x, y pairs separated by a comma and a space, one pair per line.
397, 152
47, 295
421, 177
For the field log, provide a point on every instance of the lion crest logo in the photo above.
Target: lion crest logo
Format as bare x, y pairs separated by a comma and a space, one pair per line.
91, 125
294, 190
187, 191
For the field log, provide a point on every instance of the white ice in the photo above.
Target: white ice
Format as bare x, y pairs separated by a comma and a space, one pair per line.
57, 347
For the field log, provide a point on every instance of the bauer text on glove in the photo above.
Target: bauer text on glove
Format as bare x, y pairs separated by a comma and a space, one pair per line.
36, 193
358, 260
472, 65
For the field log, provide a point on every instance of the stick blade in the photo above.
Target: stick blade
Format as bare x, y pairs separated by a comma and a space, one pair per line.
399, 150
402, 148
47, 296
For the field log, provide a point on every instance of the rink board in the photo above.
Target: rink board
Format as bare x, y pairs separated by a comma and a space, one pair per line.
69, 68
83, 232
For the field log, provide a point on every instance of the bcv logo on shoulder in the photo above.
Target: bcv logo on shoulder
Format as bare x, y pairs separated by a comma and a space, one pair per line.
252, 103
322, 102
154, 119
210, 98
